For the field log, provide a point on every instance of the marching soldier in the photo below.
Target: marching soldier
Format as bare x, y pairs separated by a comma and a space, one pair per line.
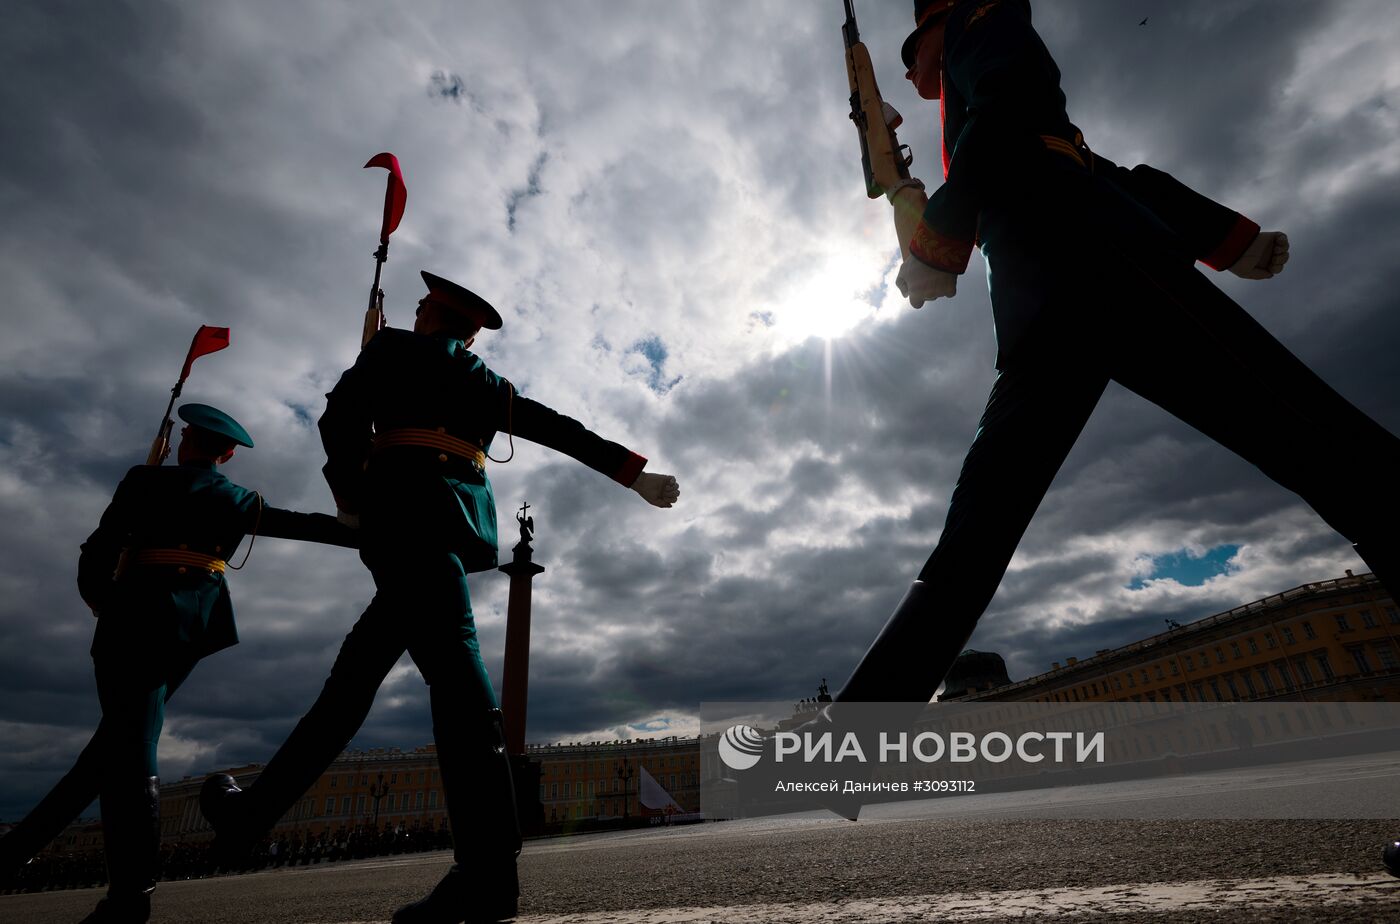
407, 430
1090, 267
168, 608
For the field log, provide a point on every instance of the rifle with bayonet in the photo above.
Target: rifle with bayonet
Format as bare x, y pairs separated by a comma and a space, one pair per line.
395, 197
206, 340
885, 160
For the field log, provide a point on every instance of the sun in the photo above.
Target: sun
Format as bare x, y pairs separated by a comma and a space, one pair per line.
844, 291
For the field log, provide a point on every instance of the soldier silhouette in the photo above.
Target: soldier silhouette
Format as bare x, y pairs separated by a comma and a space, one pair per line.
168, 608
1091, 272
407, 430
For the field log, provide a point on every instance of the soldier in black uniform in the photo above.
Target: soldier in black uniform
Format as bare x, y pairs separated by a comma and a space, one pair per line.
407, 430
171, 529
1092, 278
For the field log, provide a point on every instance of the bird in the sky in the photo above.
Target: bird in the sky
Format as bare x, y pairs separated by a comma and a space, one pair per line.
1144, 21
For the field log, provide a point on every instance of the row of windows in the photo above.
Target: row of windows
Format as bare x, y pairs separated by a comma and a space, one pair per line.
1385, 657
1279, 676
1140, 676
605, 768
425, 777
565, 812
1368, 619
361, 804
1146, 745
576, 790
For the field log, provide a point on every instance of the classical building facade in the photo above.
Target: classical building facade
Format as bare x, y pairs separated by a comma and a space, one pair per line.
1335, 641
592, 782
603, 781
374, 788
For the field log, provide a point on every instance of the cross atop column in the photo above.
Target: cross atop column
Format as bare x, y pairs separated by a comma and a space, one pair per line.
527, 533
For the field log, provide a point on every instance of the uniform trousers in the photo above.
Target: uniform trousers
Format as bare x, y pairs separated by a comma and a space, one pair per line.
1169, 335
133, 688
422, 606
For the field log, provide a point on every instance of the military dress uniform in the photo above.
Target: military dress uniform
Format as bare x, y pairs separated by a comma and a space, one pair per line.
406, 431
175, 527
1091, 272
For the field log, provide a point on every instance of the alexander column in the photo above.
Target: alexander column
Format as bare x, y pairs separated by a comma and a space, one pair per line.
515, 680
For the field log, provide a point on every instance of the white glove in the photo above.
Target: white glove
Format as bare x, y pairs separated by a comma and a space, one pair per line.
921, 283
351, 520
1264, 257
657, 490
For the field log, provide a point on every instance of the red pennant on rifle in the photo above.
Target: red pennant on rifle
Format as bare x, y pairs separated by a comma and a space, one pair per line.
206, 340
395, 196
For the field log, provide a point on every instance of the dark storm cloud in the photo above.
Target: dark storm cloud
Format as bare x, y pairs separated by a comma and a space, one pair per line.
639, 190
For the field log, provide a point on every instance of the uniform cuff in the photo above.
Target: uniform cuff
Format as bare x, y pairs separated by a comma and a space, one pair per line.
630, 470
940, 251
1233, 246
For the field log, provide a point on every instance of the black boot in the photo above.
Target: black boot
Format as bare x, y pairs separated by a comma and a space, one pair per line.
128, 909
482, 885
906, 664
221, 802
829, 721
455, 900
131, 841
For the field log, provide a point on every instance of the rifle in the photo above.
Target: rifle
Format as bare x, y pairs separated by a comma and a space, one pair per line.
395, 197
885, 160
206, 340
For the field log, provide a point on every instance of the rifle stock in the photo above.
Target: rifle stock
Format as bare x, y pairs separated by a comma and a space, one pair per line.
160, 446
908, 205
160, 449
374, 318
885, 160
206, 340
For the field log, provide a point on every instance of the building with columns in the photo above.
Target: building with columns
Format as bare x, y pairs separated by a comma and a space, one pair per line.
581, 784
1327, 641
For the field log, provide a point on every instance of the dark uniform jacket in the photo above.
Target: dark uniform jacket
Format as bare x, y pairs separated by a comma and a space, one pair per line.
1031, 208
189, 507
418, 496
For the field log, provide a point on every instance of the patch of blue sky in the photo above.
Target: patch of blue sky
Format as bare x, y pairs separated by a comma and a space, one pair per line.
654, 351
1187, 569
531, 190
302, 413
662, 723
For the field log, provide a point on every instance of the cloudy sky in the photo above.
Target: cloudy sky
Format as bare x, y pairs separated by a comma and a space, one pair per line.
665, 202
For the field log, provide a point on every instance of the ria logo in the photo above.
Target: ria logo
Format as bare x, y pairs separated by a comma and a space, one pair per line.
740, 747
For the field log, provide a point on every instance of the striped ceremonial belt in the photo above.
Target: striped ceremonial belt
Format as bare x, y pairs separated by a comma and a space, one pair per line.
433, 439
180, 558
1074, 151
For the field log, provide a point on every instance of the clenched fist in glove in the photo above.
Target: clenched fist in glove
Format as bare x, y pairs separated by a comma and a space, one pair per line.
1264, 258
657, 490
